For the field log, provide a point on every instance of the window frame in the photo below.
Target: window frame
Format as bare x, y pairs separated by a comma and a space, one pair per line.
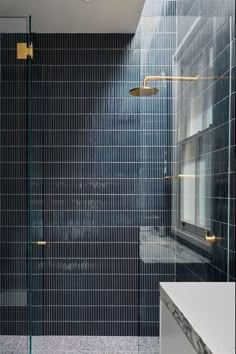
182, 225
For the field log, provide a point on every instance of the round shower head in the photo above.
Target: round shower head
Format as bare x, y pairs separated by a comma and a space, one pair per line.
143, 91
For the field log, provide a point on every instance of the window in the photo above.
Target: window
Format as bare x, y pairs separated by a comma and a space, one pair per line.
195, 193
187, 205
195, 187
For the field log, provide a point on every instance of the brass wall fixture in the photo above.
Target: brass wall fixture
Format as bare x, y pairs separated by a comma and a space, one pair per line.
212, 239
171, 177
145, 90
179, 177
41, 243
169, 78
24, 51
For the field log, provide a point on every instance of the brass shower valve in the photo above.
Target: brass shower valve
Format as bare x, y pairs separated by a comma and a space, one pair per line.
212, 239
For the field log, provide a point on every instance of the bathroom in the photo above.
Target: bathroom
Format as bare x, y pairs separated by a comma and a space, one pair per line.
117, 147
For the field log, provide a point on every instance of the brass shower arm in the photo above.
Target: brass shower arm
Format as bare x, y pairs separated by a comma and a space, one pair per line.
169, 78
145, 91
179, 177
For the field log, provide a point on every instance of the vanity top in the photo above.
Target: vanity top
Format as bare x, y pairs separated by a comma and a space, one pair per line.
205, 312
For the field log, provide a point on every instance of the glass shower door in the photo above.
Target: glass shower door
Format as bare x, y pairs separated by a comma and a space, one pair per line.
202, 194
15, 230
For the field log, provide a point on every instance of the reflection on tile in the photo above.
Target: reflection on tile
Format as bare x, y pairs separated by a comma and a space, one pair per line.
13, 298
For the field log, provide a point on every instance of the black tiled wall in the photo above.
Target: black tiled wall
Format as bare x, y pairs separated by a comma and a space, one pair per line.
99, 159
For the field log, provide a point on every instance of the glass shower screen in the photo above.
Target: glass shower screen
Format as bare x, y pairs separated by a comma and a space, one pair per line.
15, 152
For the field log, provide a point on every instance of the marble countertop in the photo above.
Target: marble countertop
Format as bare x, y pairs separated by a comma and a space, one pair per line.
155, 249
205, 312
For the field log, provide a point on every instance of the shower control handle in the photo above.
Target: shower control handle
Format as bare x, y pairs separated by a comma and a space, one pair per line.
212, 239
41, 243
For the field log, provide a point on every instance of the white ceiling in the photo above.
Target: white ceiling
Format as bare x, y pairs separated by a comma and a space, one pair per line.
77, 15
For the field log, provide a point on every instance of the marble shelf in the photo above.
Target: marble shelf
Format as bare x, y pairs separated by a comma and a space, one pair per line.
205, 312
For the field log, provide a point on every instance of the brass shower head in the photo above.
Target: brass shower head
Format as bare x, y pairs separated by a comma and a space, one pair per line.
145, 91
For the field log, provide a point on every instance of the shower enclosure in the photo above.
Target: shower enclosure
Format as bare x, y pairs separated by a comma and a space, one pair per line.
16, 194
104, 195
205, 139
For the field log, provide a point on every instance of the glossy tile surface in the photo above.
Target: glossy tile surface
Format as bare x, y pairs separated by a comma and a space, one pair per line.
98, 161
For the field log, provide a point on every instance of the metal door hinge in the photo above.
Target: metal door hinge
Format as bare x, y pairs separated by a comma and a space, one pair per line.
24, 51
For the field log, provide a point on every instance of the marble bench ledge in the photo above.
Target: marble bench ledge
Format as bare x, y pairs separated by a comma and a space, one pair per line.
205, 312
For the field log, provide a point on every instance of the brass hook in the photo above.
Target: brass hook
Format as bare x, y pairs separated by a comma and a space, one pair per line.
212, 239
41, 243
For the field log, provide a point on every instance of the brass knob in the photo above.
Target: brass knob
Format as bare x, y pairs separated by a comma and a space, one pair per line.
41, 243
179, 176
212, 239
172, 177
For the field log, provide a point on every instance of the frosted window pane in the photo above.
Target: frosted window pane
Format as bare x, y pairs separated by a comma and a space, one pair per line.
203, 193
188, 193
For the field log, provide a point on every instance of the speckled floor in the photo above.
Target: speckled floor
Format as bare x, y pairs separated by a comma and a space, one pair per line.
85, 345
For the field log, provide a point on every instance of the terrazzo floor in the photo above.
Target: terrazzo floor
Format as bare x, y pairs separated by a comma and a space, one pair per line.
85, 345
